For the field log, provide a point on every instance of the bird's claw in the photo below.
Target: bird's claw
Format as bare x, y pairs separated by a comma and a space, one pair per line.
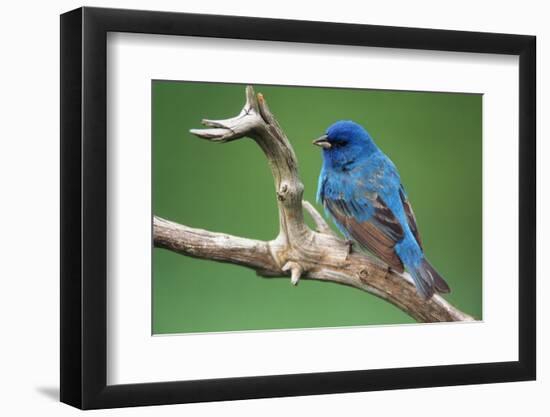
349, 244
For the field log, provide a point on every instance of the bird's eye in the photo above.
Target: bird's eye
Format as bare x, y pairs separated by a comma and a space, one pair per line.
339, 143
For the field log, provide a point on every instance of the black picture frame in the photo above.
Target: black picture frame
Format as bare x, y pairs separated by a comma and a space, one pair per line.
84, 207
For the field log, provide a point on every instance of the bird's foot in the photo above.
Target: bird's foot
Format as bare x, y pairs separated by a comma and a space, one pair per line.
349, 244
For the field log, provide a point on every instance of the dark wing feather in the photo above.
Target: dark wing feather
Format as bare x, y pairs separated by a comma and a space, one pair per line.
411, 219
385, 219
378, 234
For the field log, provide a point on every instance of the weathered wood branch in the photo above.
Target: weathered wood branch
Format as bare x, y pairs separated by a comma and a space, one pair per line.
320, 223
297, 251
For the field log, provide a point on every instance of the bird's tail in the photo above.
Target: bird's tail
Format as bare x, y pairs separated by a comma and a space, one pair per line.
427, 280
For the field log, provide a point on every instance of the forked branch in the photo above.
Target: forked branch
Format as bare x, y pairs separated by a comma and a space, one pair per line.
298, 251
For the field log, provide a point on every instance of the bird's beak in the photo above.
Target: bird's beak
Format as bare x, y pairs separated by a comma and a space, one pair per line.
322, 142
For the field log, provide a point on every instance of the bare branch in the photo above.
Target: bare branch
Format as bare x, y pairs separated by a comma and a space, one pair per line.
220, 247
320, 223
297, 251
295, 271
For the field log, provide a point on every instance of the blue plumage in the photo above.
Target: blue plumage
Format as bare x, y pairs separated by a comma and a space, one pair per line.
361, 190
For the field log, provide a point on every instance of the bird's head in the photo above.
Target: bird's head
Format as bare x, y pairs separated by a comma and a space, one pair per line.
345, 142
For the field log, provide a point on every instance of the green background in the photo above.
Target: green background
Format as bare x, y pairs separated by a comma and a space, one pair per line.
433, 138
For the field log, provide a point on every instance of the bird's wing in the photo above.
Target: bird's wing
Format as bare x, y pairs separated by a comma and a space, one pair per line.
371, 223
411, 219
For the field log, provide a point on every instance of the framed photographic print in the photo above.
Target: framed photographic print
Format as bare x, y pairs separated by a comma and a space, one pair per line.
257, 208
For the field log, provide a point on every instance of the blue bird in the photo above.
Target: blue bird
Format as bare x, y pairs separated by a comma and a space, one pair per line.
360, 189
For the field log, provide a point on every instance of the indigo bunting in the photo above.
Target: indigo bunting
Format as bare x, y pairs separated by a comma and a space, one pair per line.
360, 189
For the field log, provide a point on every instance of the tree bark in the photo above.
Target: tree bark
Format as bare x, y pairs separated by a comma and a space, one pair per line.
297, 251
